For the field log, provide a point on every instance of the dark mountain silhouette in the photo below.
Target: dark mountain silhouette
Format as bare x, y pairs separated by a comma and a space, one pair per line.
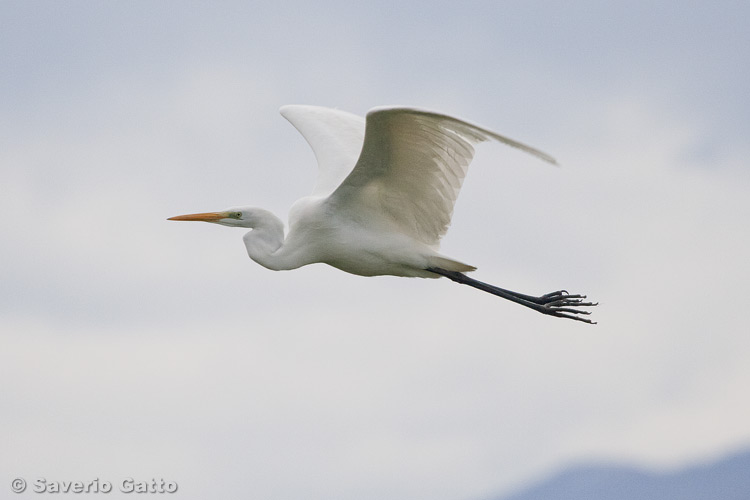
726, 479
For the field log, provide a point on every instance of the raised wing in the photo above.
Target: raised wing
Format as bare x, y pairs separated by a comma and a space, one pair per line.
335, 137
412, 167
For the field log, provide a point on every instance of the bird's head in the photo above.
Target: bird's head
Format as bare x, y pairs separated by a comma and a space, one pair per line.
232, 217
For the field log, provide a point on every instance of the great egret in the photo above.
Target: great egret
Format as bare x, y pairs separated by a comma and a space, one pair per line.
384, 197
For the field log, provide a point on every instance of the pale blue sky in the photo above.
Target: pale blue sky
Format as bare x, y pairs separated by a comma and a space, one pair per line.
136, 347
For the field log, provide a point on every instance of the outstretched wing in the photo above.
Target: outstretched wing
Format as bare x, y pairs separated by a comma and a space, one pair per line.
412, 167
335, 137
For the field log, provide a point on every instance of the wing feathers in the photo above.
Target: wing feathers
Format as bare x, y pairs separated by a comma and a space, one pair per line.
412, 167
402, 163
335, 137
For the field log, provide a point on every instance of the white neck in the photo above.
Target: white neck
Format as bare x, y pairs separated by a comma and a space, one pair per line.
265, 241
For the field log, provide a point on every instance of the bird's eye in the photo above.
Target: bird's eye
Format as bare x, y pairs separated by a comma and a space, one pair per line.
238, 215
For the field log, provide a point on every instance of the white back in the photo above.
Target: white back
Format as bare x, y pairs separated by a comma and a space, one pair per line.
335, 137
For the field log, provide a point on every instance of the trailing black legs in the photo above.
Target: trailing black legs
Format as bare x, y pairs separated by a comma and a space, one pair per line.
560, 304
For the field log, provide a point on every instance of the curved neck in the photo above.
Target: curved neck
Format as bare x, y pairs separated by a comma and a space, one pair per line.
265, 240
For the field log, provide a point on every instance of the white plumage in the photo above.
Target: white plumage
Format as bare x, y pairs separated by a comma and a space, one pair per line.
384, 197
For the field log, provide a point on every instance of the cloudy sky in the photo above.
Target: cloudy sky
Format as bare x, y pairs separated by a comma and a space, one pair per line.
135, 347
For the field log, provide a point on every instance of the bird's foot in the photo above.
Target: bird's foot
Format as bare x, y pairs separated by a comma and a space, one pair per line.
562, 304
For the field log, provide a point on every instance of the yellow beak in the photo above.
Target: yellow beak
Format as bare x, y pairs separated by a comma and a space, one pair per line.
206, 217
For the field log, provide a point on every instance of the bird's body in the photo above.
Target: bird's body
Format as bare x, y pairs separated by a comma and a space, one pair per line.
383, 199
364, 244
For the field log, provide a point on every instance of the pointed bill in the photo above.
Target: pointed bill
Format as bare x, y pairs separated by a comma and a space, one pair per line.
206, 217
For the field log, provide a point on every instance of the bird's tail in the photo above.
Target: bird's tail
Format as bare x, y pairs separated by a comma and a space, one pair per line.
450, 264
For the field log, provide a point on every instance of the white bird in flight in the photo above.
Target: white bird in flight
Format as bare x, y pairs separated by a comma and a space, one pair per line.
384, 197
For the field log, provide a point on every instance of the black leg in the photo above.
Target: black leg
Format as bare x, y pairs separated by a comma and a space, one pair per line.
560, 304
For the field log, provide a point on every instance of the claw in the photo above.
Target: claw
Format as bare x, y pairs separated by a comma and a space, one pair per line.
562, 304
585, 320
572, 311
